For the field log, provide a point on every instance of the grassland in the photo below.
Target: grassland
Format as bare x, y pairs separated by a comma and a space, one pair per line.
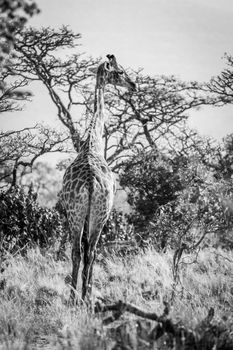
34, 290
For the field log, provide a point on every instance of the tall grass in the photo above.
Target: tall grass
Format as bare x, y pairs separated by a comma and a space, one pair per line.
34, 312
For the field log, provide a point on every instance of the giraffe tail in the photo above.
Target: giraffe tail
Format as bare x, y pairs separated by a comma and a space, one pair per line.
88, 216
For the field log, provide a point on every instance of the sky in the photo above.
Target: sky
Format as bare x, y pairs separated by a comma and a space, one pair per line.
185, 38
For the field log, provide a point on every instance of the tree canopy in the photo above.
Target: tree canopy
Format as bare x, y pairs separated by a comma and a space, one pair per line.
153, 115
13, 16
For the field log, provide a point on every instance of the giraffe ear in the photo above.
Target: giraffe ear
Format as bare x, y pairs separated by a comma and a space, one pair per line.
93, 70
112, 61
110, 57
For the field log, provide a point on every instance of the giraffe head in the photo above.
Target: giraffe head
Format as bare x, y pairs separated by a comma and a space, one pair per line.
110, 72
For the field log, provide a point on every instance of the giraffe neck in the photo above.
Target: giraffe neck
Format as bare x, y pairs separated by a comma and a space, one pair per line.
96, 129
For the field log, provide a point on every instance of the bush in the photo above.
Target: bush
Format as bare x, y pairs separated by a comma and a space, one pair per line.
200, 211
118, 235
151, 180
179, 201
24, 222
117, 228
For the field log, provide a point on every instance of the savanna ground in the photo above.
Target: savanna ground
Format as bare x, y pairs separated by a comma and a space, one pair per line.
35, 314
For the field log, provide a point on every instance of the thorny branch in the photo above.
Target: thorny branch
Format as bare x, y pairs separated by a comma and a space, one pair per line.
11, 93
150, 116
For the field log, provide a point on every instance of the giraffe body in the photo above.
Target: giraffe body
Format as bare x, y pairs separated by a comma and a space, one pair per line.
88, 190
88, 183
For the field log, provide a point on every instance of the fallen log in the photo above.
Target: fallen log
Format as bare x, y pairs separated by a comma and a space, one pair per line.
206, 334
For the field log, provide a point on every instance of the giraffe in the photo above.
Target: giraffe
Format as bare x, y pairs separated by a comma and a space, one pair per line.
88, 183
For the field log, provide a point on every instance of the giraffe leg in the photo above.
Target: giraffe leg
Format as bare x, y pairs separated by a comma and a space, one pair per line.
85, 263
88, 267
89, 258
76, 259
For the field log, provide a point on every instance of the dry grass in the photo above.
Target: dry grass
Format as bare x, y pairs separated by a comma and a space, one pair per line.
34, 313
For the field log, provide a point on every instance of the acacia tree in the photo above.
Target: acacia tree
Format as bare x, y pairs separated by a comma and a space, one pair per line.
221, 89
135, 121
221, 86
40, 58
150, 118
216, 156
20, 149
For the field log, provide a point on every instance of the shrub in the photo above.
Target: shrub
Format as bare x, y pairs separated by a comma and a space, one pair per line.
152, 180
117, 228
178, 200
200, 211
118, 235
24, 222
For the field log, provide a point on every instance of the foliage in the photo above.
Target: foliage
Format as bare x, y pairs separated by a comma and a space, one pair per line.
12, 92
47, 182
178, 201
221, 86
23, 222
223, 159
13, 15
216, 156
118, 235
117, 228
203, 208
159, 107
151, 180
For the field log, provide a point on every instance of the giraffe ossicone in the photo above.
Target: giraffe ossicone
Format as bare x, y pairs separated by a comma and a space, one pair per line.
88, 184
